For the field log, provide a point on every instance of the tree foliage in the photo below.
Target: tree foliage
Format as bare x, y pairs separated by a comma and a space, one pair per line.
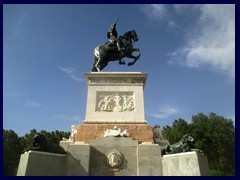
14, 146
11, 152
213, 134
179, 128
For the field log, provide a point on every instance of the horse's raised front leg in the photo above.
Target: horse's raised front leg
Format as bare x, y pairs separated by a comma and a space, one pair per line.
121, 62
134, 57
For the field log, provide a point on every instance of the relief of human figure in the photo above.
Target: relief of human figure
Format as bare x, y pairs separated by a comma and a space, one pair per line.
101, 104
125, 103
130, 104
109, 103
118, 105
105, 104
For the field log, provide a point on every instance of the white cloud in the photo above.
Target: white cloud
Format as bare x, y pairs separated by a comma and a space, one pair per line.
154, 11
33, 104
70, 72
212, 42
165, 112
66, 70
67, 117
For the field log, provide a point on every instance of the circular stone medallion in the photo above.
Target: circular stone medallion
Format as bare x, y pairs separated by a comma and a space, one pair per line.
114, 158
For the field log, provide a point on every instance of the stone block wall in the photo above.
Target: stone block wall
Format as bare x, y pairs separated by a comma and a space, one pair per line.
149, 160
35, 163
102, 146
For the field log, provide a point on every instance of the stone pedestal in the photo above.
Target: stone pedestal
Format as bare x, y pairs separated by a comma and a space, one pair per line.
104, 156
34, 163
75, 163
114, 98
185, 164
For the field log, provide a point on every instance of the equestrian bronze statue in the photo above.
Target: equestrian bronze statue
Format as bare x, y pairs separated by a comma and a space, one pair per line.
115, 49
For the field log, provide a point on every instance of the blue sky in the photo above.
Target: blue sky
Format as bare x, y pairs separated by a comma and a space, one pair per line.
188, 52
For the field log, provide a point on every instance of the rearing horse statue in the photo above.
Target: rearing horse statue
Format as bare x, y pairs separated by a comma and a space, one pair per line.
109, 52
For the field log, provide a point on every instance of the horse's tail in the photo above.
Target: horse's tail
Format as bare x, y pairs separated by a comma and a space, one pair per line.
97, 52
96, 57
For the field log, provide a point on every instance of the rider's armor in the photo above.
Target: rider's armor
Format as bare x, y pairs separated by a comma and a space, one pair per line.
113, 37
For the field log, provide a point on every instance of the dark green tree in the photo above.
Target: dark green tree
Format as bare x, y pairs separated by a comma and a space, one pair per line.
27, 140
12, 149
213, 134
179, 128
14, 146
55, 136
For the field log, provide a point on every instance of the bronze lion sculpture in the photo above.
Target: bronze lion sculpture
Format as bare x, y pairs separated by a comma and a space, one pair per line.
40, 143
186, 144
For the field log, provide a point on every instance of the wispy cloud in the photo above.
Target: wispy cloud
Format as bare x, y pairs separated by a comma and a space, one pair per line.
70, 72
66, 117
212, 42
154, 11
165, 112
209, 41
33, 104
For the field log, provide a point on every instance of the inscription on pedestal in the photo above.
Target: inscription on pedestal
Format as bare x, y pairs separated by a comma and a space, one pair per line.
115, 101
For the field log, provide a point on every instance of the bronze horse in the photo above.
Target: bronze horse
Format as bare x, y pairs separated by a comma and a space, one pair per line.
109, 52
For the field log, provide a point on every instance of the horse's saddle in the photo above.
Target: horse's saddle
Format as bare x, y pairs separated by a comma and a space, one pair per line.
111, 44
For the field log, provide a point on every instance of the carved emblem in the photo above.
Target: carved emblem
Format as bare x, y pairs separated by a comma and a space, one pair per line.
114, 158
117, 132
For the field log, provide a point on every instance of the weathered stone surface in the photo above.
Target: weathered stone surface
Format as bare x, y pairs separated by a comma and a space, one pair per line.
91, 160
149, 160
114, 141
89, 132
102, 146
185, 164
115, 97
36, 163
149, 150
76, 166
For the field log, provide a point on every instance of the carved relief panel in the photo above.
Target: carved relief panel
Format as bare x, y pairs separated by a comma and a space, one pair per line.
115, 101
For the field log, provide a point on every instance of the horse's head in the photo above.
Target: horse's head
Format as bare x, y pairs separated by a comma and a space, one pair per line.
131, 35
134, 35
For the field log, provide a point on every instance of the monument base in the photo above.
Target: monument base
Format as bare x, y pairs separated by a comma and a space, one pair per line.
134, 159
185, 164
88, 132
35, 163
105, 156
